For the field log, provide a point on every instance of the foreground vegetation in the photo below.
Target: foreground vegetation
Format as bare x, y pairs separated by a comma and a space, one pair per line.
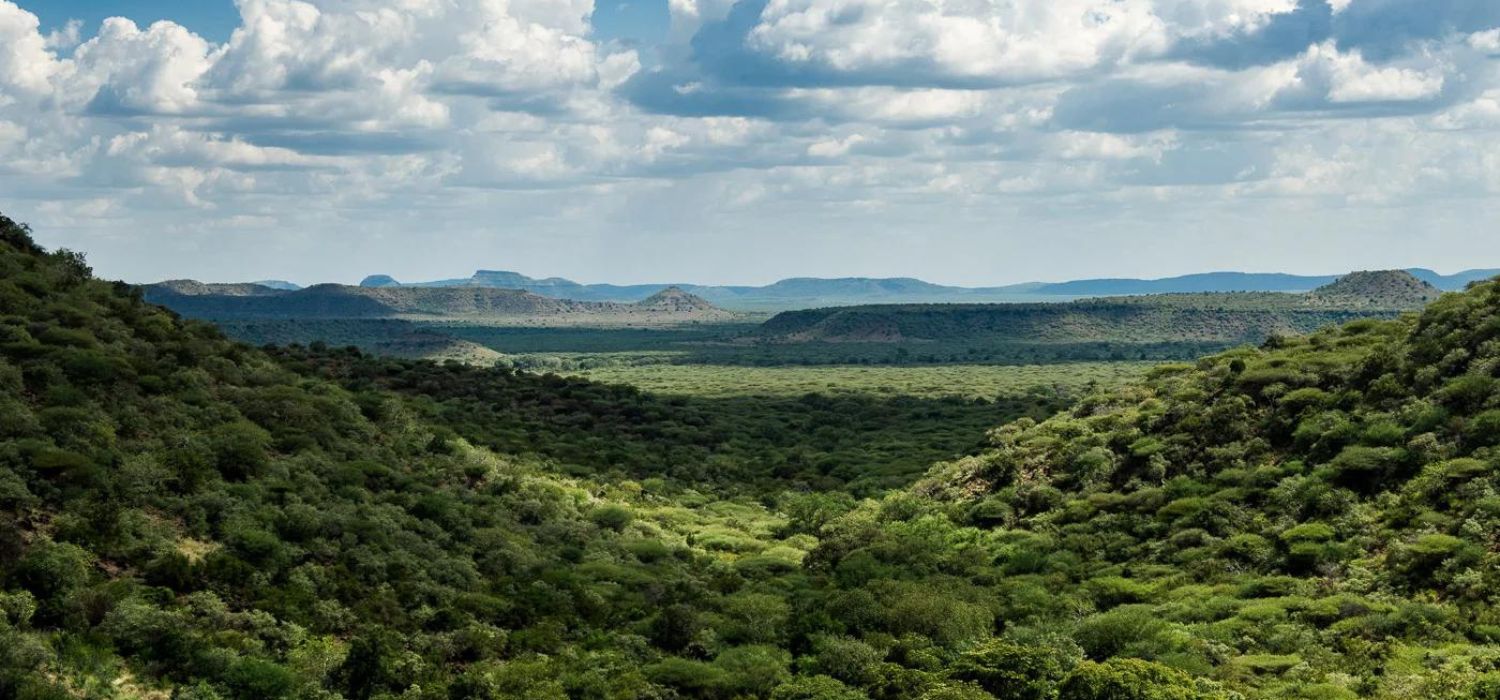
193, 518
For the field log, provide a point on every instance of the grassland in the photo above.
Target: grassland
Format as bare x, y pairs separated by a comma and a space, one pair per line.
965, 381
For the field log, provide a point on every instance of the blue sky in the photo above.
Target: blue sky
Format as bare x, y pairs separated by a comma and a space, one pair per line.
642, 21
979, 142
211, 19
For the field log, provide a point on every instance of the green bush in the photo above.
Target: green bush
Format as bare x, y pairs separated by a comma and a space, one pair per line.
1129, 679
612, 517
1021, 671
815, 688
1126, 629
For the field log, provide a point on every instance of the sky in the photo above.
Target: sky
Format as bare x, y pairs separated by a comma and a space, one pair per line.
970, 142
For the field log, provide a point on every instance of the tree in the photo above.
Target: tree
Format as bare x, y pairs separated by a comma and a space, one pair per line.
676, 627
258, 679
369, 668
54, 573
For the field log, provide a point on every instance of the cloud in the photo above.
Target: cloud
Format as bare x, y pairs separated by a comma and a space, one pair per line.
130, 71
26, 62
1381, 30
968, 44
1346, 78
499, 123
1487, 41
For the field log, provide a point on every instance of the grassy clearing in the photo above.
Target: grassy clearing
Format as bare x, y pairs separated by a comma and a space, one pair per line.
967, 381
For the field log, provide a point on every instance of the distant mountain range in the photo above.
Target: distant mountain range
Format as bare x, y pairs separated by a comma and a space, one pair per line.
807, 292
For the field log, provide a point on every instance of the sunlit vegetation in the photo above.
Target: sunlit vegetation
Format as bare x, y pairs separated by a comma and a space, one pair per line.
932, 381
734, 345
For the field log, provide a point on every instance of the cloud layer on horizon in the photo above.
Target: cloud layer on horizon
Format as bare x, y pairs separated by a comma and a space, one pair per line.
332, 138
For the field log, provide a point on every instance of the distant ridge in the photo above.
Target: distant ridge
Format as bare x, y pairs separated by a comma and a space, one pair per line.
814, 292
231, 289
335, 301
1243, 282
1217, 319
1187, 284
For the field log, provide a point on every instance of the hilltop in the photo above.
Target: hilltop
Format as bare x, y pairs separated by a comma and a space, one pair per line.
1381, 289
675, 300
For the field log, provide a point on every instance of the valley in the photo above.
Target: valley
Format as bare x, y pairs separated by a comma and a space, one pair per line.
876, 502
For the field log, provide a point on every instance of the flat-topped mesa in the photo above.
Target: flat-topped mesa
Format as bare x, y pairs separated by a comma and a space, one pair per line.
279, 285
515, 280
379, 281
1397, 289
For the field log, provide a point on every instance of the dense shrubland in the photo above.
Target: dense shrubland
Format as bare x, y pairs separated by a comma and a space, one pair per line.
192, 518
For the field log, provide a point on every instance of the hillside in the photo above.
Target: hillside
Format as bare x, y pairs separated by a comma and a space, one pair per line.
331, 301
191, 518
1314, 519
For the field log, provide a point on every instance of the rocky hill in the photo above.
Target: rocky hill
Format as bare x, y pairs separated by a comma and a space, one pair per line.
675, 300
